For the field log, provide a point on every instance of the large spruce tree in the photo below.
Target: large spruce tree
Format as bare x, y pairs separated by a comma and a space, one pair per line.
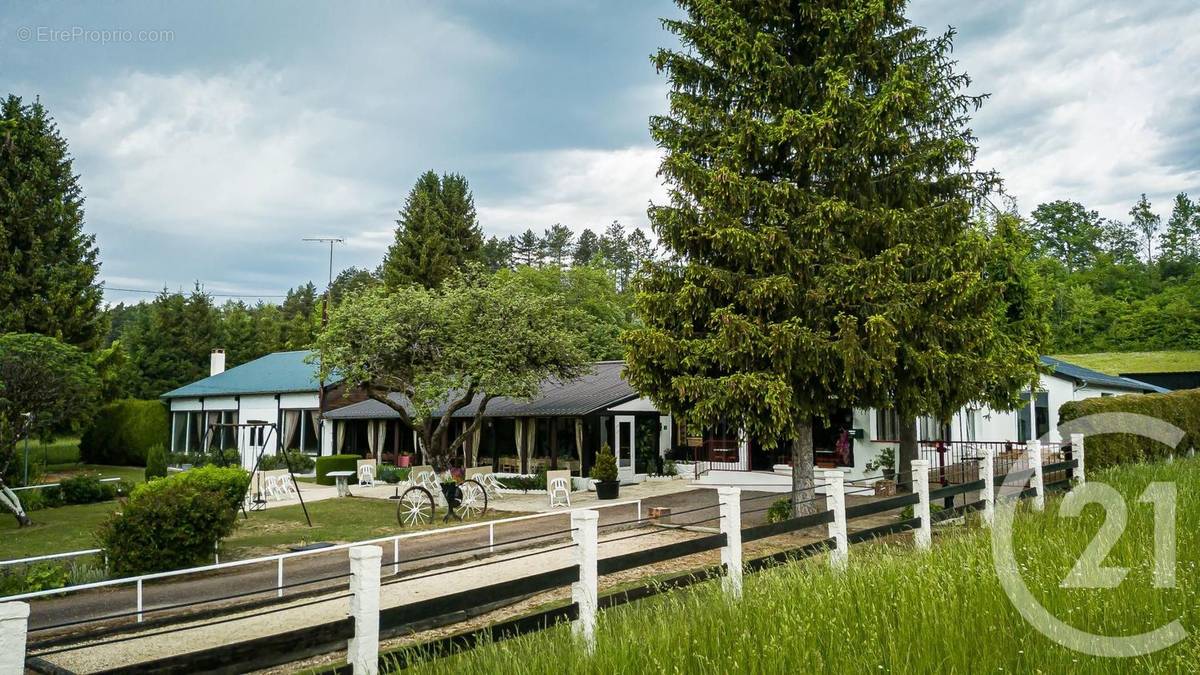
437, 233
821, 251
48, 265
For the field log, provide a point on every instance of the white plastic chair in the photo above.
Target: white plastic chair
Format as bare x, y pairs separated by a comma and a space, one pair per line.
366, 475
560, 492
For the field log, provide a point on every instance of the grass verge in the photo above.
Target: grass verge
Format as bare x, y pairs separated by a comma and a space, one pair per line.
902, 611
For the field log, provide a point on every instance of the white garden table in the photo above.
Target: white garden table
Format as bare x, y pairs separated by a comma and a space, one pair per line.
343, 481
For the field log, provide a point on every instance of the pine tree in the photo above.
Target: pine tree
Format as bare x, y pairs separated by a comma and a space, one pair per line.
586, 248
818, 233
1180, 239
614, 252
559, 243
527, 249
497, 254
436, 235
48, 265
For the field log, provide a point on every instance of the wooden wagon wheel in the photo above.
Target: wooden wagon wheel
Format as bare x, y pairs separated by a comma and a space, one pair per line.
472, 500
416, 507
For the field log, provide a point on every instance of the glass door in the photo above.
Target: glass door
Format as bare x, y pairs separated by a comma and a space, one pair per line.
623, 446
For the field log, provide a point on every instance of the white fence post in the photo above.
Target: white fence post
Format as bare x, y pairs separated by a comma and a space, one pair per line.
987, 471
1037, 482
1077, 455
835, 500
396, 556
584, 592
363, 648
139, 600
731, 554
923, 535
279, 578
14, 624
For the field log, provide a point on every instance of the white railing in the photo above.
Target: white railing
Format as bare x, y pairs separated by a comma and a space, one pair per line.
46, 485
55, 556
279, 558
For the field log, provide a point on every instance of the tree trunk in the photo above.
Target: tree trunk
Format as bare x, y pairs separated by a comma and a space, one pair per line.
908, 449
802, 471
9, 500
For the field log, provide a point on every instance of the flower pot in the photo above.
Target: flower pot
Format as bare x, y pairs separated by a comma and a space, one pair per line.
607, 489
404, 460
452, 494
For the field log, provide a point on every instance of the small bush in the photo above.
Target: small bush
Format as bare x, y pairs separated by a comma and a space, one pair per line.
780, 510
86, 489
173, 522
122, 432
1180, 408
393, 474
36, 577
156, 462
301, 463
605, 469
335, 463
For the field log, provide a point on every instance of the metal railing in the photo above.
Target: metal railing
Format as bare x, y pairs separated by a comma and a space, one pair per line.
46, 485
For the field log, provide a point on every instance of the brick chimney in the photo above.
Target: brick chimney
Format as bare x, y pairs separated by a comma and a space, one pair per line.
216, 362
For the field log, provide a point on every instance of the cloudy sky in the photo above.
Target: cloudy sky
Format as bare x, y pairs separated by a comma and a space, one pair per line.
212, 137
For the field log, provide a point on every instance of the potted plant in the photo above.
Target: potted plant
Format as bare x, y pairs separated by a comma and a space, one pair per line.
450, 490
404, 460
604, 472
885, 460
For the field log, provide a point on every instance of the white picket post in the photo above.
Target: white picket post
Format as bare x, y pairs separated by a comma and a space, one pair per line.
279, 578
731, 554
1033, 450
396, 556
584, 593
1077, 455
139, 600
14, 624
923, 535
363, 648
835, 500
987, 472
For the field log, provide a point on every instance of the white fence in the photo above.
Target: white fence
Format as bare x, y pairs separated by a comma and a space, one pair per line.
278, 559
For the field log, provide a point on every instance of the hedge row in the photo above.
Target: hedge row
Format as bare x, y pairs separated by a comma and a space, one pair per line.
335, 463
1178, 408
124, 431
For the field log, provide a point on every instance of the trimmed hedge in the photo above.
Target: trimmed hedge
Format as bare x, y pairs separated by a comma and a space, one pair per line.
124, 431
1180, 408
335, 463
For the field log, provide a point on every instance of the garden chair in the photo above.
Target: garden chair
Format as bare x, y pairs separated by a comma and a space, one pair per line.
484, 476
558, 486
366, 473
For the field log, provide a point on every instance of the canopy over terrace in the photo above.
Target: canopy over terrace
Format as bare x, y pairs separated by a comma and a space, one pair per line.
563, 426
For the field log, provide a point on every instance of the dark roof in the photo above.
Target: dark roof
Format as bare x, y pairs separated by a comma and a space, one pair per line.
1081, 375
603, 387
278, 373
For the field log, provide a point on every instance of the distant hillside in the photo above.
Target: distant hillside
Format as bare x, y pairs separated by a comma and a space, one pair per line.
1115, 363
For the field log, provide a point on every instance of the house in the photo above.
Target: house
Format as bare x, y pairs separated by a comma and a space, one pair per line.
280, 388
563, 426
567, 423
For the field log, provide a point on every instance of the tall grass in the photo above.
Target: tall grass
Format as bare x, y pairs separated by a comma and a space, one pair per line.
899, 610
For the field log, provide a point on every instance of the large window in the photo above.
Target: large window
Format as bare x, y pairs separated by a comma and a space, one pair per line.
930, 429
1042, 406
887, 425
299, 431
200, 430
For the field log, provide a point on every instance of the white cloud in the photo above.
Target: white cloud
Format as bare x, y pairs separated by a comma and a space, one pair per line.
578, 188
1080, 91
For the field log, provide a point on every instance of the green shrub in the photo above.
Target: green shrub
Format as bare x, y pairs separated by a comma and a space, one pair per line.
301, 463
1180, 408
173, 522
86, 489
605, 468
335, 463
124, 431
37, 577
393, 474
780, 510
156, 462
59, 451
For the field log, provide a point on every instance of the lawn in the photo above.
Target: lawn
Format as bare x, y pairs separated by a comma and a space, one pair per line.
1115, 363
70, 528
896, 610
